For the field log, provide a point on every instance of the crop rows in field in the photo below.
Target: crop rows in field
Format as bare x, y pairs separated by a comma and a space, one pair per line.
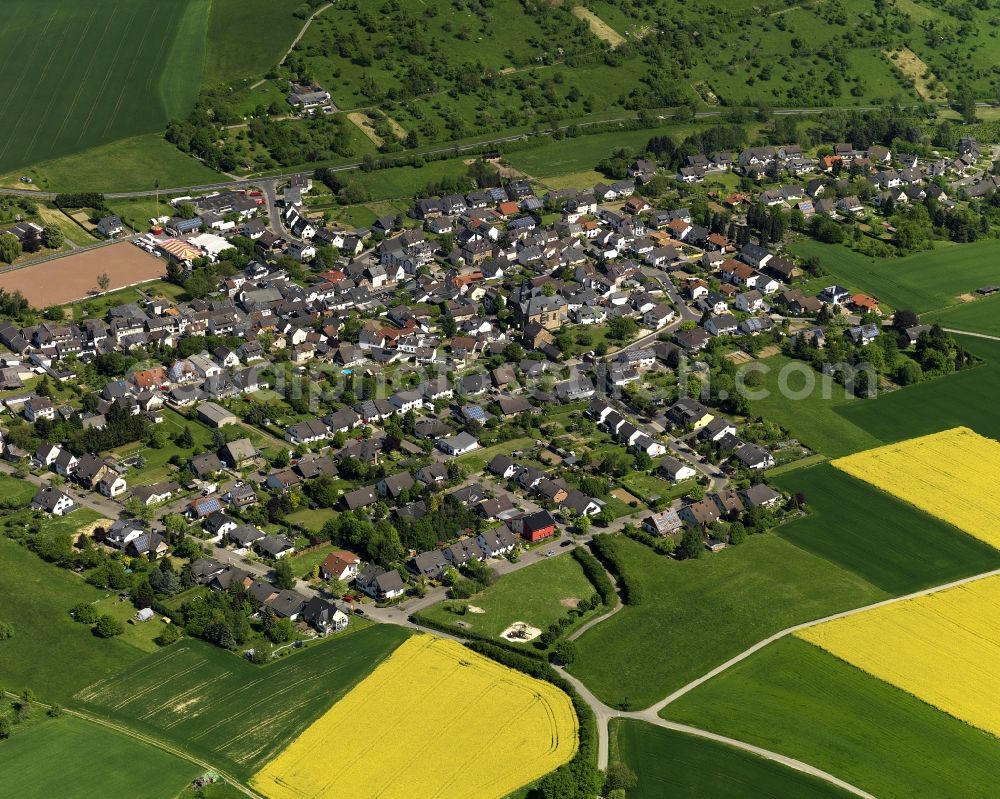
461, 725
220, 707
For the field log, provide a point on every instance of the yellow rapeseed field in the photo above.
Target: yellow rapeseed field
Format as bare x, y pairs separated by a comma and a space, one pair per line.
943, 648
951, 475
434, 721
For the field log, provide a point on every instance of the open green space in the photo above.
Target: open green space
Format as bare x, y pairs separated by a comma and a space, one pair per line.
16, 492
302, 565
649, 487
539, 596
697, 614
72, 758
966, 398
924, 281
806, 402
247, 38
553, 158
219, 707
50, 653
981, 316
156, 462
476, 461
796, 699
890, 543
311, 518
670, 763
129, 164
75, 75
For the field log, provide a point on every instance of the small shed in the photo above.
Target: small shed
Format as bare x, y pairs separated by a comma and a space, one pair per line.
144, 614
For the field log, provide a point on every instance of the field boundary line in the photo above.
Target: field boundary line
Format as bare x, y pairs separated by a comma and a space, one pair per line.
653, 710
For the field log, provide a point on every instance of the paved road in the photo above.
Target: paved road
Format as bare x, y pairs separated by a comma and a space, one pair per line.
109, 191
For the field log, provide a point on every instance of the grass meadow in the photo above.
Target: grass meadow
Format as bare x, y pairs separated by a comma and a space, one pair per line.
813, 419
534, 595
923, 281
981, 316
670, 763
887, 542
218, 706
50, 653
798, 700
696, 614
71, 758
967, 399
131, 164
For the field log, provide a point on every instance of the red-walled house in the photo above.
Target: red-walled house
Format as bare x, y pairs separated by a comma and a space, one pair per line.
536, 526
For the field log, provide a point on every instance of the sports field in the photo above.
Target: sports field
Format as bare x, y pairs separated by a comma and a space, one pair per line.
439, 720
888, 542
74, 277
70, 758
943, 648
670, 763
796, 699
950, 475
696, 614
539, 596
218, 706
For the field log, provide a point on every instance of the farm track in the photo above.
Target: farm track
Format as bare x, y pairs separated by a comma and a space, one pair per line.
155, 743
298, 38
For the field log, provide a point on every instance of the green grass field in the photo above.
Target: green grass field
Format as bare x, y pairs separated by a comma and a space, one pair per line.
806, 402
670, 763
924, 281
311, 518
157, 466
966, 398
798, 700
79, 83
71, 758
225, 710
981, 316
50, 653
16, 491
582, 153
532, 595
74, 75
247, 38
477, 460
889, 543
130, 164
696, 614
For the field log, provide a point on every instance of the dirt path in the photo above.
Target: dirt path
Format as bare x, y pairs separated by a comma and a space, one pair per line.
154, 742
297, 39
655, 709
